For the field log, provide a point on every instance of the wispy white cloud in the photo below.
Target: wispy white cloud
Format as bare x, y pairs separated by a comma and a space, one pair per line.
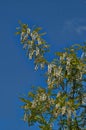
81, 29
76, 26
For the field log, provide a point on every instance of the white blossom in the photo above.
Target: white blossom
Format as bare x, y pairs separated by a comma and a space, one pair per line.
59, 71
43, 97
36, 67
39, 41
37, 51
46, 46
55, 72
34, 104
31, 43
68, 70
59, 94
51, 125
68, 60
42, 65
49, 81
30, 55
26, 37
25, 45
63, 56
79, 67
50, 67
34, 35
25, 117
22, 35
57, 106
63, 110
28, 30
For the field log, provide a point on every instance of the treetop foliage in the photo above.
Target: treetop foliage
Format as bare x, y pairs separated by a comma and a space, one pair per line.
63, 100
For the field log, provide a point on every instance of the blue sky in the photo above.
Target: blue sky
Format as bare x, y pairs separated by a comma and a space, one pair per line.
65, 24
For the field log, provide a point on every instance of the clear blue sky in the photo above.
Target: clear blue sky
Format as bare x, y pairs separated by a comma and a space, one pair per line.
65, 23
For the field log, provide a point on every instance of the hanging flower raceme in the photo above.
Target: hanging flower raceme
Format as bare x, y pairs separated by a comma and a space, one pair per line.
34, 44
69, 67
55, 75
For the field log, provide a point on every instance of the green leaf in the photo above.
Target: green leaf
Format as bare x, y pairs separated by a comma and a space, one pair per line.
17, 33
37, 29
24, 100
30, 94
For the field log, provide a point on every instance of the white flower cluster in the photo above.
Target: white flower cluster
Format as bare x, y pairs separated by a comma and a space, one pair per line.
81, 71
50, 68
59, 110
58, 71
43, 97
24, 35
31, 53
42, 65
57, 106
39, 99
37, 51
28, 31
36, 67
68, 65
68, 61
73, 68
35, 45
54, 74
34, 104
58, 94
63, 109
63, 56
34, 35
25, 117
39, 41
